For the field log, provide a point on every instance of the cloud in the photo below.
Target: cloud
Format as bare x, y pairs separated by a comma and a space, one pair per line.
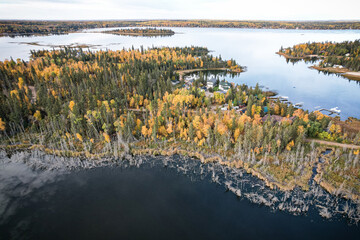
39, 1
180, 9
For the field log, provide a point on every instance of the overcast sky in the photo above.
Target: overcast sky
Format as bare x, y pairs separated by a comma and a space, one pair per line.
181, 9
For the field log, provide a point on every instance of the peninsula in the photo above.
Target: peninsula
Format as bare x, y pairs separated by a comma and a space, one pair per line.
71, 102
342, 58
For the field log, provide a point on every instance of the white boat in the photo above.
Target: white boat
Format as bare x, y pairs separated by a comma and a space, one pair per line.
283, 98
335, 109
299, 104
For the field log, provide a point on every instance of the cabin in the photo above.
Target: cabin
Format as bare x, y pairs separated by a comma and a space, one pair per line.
211, 82
224, 86
338, 66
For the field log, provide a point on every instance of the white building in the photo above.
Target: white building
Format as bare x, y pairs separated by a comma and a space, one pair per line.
211, 82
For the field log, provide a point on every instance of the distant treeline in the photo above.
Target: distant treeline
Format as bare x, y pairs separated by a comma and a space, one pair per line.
346, 54
254, 24
147, 32
21, 27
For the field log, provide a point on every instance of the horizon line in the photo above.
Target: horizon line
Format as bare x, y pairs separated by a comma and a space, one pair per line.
164, 19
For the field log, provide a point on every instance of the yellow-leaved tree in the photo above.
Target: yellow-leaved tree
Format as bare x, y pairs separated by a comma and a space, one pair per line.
71, 105
2, 125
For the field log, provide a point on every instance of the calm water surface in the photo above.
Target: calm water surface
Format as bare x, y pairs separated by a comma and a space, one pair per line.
150, 202
253, 48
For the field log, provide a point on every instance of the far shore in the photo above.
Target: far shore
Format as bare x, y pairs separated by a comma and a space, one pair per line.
299, 58
138, 34
343, 71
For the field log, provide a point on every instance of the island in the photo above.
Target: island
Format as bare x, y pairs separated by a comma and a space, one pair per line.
342, 58
94, 105
142, 32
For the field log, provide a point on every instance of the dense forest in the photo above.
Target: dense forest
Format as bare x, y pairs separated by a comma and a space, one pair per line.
23, 27
146, 32
345, 54
255, 24
69, 101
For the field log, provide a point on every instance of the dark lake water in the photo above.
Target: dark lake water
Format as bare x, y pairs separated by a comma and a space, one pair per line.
142, 201
253, 48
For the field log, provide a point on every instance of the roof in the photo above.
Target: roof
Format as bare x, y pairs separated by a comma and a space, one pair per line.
212, 79
225, 83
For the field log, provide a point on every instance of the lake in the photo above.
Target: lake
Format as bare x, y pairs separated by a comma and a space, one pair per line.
253, 48
45, 197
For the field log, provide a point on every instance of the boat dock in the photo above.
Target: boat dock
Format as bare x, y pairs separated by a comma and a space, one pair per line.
331, 111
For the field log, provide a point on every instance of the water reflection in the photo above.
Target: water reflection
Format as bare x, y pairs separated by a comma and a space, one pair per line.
20, 176
315, 61
27, 172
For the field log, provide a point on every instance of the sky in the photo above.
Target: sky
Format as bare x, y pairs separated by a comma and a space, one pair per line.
180, 9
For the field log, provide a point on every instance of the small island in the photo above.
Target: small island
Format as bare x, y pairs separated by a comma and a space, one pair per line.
342, 58
142, 32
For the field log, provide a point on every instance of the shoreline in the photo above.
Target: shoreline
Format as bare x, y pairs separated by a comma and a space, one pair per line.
232, 162
299, 58
328, 186
140, 34
188, 71
156, 152
342, 71
347, 73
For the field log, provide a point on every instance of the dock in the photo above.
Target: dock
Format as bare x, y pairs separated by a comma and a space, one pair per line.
331, 111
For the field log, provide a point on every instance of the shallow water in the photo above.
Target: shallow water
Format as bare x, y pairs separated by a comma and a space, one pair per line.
45, 197
253, 48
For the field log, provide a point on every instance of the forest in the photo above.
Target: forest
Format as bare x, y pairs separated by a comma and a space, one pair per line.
27, 27
345, 54
72, 102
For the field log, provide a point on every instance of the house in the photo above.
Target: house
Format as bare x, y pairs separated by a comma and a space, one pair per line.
225, 107
225, 86
211, 82
338, 66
